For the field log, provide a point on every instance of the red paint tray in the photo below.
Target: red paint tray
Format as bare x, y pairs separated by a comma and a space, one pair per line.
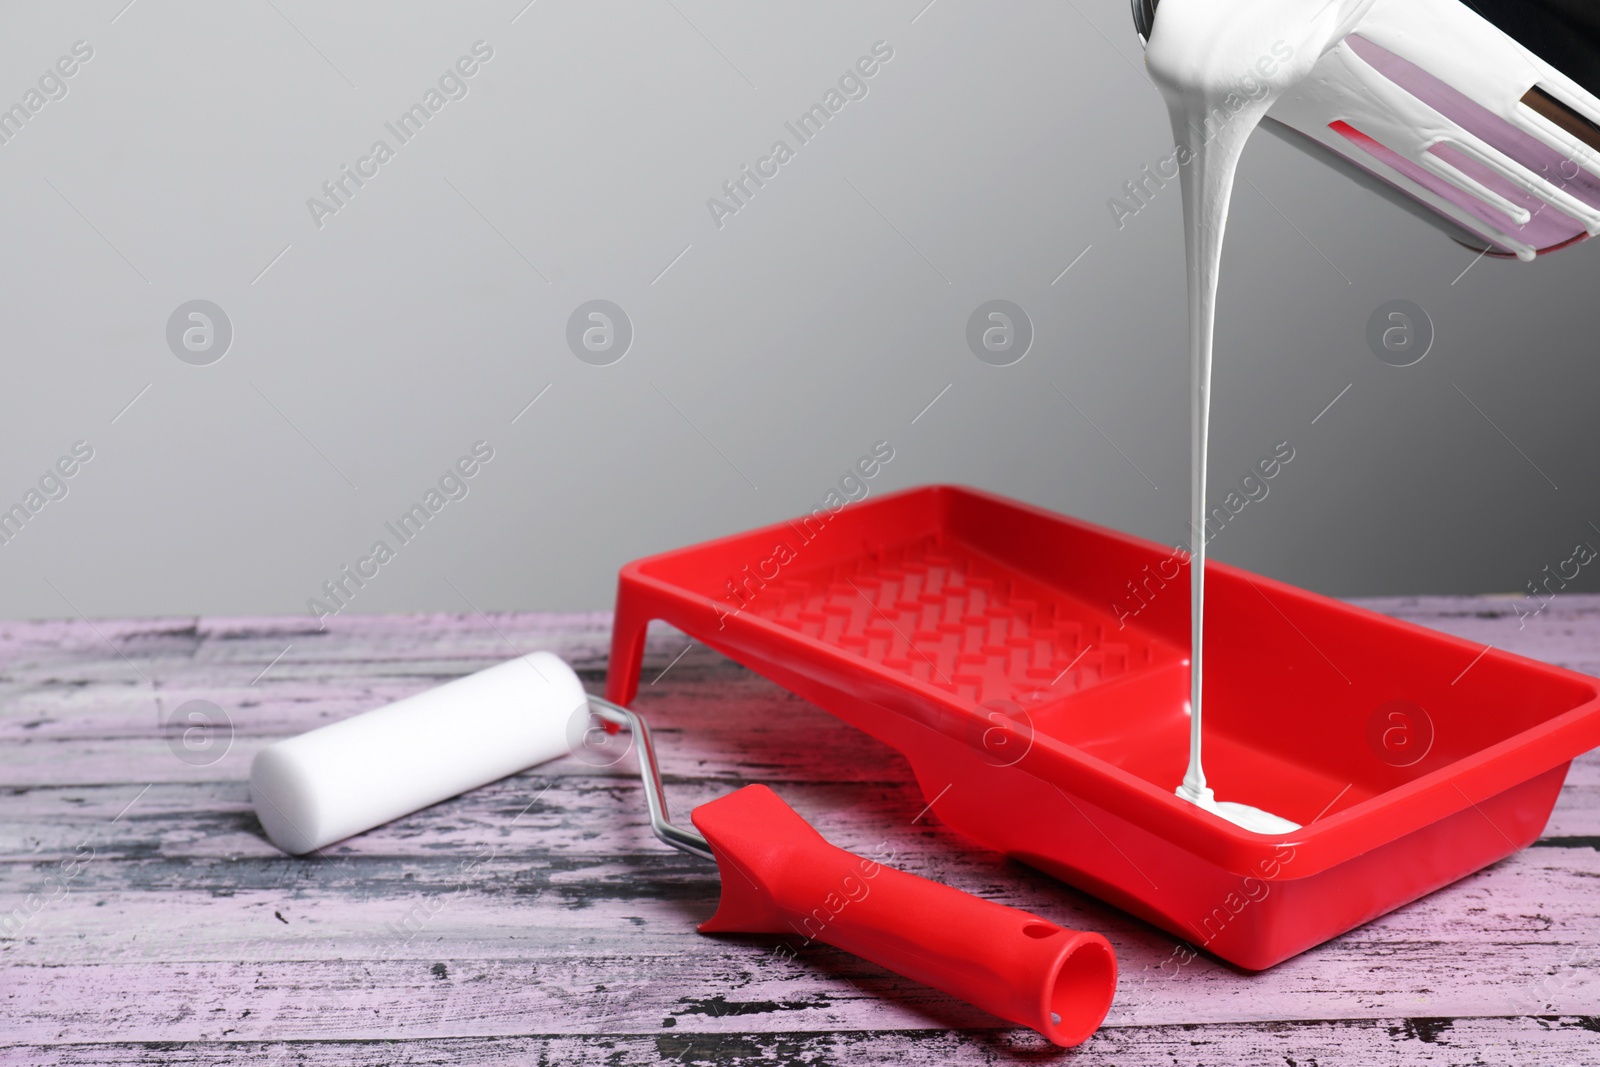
983, 639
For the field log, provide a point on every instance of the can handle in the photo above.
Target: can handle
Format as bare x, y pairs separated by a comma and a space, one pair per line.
779, 876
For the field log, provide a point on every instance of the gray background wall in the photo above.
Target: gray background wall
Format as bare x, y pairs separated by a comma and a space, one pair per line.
369, 353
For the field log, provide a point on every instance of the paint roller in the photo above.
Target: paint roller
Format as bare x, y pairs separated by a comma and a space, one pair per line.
779, 876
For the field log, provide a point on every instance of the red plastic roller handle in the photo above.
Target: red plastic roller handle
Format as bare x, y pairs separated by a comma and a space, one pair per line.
780, 877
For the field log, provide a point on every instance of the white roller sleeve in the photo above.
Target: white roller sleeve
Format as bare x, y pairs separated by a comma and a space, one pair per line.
350, 776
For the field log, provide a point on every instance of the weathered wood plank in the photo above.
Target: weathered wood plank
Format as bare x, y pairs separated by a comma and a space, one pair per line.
750, 733
1566, 632
558, 807
578, 869
64, 730
586, 991
1411, 1042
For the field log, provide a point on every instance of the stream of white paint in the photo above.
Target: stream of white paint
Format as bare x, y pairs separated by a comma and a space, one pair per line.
1221, 64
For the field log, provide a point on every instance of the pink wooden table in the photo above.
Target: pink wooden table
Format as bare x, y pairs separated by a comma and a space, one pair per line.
144, 918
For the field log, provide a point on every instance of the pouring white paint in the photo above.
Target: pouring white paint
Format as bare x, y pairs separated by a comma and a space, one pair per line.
1221, 64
